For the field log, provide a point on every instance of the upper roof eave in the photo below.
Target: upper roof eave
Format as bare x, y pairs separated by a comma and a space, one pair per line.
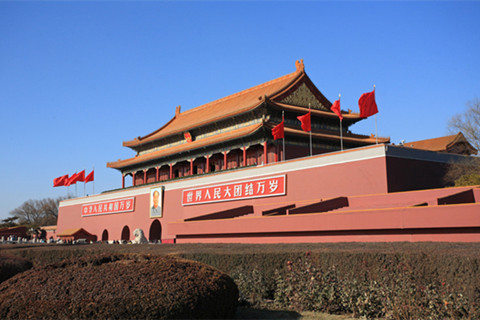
136, 141
201, 115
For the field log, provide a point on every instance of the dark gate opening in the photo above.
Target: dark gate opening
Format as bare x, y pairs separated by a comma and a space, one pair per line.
155, 233
125, 233
105, 235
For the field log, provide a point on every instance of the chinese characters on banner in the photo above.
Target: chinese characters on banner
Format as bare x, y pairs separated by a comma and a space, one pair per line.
108, 207
257, 188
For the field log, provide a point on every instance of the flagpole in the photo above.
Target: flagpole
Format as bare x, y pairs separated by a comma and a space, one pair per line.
341, 136
93, 170
341, 131
376, 128
283, 120
309, 106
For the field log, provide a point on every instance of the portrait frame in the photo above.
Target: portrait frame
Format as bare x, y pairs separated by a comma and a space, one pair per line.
156, 212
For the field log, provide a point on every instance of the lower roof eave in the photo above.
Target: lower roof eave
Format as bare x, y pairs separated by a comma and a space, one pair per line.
240, 133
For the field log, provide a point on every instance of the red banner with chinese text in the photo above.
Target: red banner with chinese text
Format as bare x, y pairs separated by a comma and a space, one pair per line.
108, 207
256, 188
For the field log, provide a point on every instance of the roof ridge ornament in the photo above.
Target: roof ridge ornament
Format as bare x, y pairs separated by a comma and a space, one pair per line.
178, 110
300, 66
263, 98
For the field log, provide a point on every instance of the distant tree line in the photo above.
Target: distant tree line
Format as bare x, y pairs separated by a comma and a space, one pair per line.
34, 213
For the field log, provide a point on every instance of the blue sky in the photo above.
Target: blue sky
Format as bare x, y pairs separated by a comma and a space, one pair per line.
79, 78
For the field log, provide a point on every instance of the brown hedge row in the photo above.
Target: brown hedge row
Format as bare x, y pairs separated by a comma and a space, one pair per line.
11, 265
123, 286
387, 280
399, 285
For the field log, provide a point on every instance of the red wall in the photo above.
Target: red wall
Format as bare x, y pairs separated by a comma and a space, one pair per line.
412, 174
364, 175
304, 186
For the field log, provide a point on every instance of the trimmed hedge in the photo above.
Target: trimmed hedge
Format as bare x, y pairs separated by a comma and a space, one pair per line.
387, 280
400, 285
123, 286
11, 265
395, 291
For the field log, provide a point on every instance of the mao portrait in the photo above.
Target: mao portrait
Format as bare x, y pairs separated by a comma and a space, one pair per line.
156, 202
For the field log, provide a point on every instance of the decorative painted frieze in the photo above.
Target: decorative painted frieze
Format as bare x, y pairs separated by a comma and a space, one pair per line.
303, 96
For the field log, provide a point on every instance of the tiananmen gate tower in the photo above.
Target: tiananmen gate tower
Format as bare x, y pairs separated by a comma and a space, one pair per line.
215, 173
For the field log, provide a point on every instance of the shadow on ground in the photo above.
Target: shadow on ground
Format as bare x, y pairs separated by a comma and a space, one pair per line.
252, 313
260, 314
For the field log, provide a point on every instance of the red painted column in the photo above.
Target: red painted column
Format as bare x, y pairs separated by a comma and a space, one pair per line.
225, 160
157, 173
265, 155
276, 154
207, 169
133, 178
171, 171
144, 176
123, 181
191, 167
244, 156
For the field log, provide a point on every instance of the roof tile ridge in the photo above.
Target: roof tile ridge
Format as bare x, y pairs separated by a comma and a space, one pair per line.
436, 139
262, 85
300, 69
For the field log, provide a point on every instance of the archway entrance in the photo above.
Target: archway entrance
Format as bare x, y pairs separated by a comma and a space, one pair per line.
125, 233
105, 235
155, 233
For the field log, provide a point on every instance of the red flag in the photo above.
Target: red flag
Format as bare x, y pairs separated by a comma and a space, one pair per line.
306, 121
278, 131
76, 177
367, 104
71, 180
89, 177
80, 176
60, 181
336, 108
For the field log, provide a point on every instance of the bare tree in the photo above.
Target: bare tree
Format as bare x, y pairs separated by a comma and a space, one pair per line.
468, 123
463, 173
36, 213
466, 172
